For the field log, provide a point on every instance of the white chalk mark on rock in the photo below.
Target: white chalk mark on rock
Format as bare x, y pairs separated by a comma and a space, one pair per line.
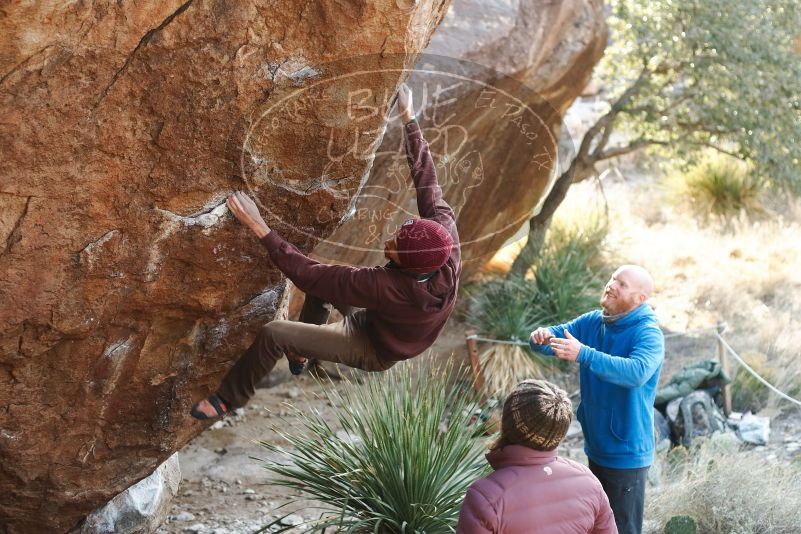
92, 251
120, 347
204, 219
155, 259
265, 303
213, 213
116, 352
261, 303
296, 70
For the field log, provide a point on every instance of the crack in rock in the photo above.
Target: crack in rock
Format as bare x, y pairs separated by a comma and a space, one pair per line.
16, 233
22, 63
146, 38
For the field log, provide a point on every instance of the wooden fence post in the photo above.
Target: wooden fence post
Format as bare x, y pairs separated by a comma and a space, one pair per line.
475, 364
724, 364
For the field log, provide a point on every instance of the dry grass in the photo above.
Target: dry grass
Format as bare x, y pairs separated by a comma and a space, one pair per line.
505, 366
728, 492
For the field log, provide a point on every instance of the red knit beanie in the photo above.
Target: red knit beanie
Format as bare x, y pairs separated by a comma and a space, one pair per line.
423, 245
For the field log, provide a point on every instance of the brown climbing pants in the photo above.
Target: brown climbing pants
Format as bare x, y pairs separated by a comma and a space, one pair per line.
344, 342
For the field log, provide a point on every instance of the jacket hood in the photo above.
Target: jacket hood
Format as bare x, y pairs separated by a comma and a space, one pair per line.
434, 294
438, 292
643, 312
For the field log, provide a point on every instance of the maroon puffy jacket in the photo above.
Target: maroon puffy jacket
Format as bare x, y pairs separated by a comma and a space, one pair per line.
535, 492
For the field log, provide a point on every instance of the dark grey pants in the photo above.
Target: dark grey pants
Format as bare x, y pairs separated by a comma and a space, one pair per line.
626, 491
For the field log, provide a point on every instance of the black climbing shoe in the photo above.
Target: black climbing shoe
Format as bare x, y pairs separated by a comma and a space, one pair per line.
215, 402
296, 367
296, 363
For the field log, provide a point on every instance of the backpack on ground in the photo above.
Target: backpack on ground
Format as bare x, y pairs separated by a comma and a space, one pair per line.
694, 415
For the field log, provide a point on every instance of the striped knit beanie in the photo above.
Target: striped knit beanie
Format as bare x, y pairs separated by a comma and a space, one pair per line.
423, 245
536, 414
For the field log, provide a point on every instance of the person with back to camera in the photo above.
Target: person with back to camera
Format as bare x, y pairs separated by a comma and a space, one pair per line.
533, 490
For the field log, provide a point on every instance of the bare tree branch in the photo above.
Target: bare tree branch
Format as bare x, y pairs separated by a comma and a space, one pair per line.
631, 147
717, 148
603, 125
701, 127
604, 138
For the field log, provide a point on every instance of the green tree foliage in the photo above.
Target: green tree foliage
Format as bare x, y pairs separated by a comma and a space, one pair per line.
686, 76
722, 74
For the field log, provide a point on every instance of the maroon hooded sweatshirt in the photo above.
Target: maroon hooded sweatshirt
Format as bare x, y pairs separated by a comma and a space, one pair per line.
405, 314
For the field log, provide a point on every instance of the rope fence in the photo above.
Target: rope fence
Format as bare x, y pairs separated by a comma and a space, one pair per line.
498, 341
525, 343
718, 330
754, 373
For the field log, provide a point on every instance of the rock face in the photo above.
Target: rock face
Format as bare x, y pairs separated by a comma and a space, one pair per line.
126, 288
492, 117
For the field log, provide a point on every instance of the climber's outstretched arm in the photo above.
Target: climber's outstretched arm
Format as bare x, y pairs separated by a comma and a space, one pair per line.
430, 203
362, 287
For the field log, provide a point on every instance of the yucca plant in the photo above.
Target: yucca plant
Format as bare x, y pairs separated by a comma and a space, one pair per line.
402, 460
567, 280
570, 272
719, 189
504, 310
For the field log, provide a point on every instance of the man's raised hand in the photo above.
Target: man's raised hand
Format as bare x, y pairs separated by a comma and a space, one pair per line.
541, 336
566, 349
247, 212
405, 106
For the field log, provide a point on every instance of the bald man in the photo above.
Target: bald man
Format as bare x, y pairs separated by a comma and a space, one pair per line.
619, 349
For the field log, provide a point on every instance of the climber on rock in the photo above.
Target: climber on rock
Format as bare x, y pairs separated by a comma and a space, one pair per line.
390, 313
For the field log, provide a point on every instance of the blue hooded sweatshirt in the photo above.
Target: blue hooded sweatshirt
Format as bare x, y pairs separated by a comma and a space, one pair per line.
619, 371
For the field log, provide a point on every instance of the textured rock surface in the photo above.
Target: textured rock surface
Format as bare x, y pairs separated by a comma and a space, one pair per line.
126, 289
538, 55
141, 508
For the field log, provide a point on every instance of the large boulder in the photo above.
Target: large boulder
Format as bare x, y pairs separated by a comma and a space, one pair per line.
127, 289
493, 86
